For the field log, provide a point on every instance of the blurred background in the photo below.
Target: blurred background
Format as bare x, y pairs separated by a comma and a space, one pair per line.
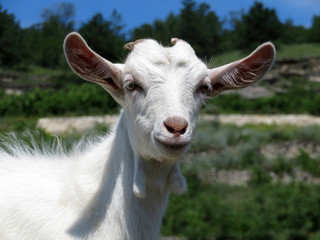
253, 171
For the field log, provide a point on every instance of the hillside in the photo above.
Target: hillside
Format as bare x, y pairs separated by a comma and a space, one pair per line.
302, 57
284, 89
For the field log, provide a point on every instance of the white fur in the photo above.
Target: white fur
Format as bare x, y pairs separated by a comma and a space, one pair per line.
115, 187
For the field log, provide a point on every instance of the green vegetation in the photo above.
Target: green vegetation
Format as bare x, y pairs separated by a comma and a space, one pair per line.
16, 124
301, 50
24, 127
80, 98
297, 97
45, 67
258, 212
88, 99
230, 147
42, 42
85, 99
262, 209
305, 103
284, 51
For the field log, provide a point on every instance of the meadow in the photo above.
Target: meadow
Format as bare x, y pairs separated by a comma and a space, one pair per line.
279, 200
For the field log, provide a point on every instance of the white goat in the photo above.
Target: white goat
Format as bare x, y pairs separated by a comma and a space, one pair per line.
117, 187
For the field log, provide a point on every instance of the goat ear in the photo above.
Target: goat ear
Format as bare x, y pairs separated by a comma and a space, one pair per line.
244, 72
92, 67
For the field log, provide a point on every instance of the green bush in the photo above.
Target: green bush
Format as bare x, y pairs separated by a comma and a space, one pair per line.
85, 99
261, 211
298, 98
280, 165
308, 164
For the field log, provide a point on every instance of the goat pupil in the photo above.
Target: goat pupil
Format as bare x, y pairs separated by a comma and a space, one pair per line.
204, 88
132, 86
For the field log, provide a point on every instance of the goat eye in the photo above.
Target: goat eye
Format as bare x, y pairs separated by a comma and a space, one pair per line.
205, 88
132, 86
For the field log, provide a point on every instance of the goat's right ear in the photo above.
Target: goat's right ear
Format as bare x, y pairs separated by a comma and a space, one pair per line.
92, 67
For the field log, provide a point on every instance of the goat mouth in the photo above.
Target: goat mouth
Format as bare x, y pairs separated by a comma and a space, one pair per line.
173, 144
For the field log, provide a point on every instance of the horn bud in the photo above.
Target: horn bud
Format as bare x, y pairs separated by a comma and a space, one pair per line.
174, 40
130, 45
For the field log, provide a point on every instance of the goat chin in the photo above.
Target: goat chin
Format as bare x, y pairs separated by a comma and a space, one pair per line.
171, 154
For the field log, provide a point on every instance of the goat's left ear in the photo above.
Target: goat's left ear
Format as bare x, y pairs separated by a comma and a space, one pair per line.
244, 72
92, 67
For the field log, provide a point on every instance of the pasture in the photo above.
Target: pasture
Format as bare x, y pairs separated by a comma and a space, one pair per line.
249, 182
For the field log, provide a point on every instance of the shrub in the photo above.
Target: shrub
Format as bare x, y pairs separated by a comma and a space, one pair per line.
261, 211
307, 163
85, 99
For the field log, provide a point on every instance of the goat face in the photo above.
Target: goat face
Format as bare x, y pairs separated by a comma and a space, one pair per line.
162, 88
163, 94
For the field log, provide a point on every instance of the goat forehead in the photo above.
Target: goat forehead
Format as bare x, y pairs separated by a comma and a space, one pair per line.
152, 61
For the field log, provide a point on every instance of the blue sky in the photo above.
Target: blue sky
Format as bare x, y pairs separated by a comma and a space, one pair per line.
137, 12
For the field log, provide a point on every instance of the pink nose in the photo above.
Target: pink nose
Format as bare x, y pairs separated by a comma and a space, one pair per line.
176, 125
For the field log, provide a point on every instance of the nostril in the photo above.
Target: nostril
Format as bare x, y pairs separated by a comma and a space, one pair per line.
176, 125
170, 129
183, 130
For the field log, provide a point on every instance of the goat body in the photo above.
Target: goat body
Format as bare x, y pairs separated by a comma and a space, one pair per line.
86, 194
117, 186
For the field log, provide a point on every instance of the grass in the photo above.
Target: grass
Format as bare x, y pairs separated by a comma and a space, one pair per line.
294, 95
33, 70
259, 149
299, 50
241, 145
16, 124
261, 210
257, 212
38, 70
283, 51
226, 58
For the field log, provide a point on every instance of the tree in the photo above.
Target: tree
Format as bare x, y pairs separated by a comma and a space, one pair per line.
32, 39
160, 30
315, 29
62, 13
189, 23
57, 24
144, 31
209, 37
11, 48
105, 36
196, 24
294, 34
200, 27
260, 24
